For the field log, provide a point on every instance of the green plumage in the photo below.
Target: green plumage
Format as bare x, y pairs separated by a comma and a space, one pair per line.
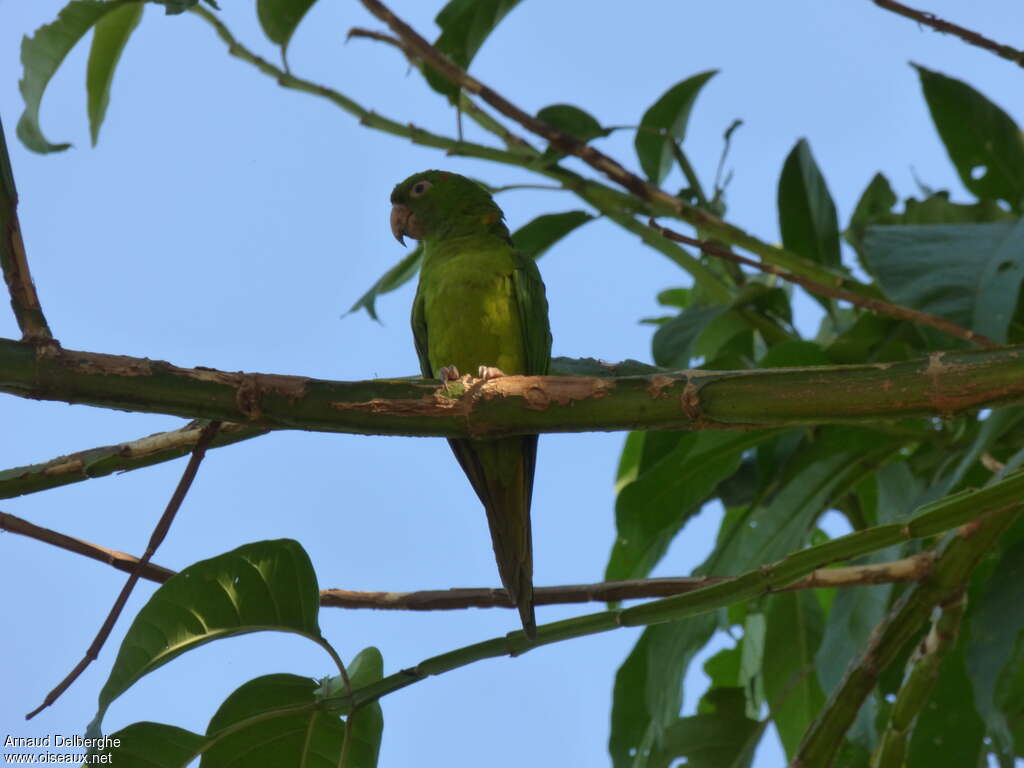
480, 303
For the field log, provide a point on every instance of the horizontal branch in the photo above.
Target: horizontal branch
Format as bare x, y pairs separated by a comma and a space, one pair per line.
943, 384
908, 569
122, 457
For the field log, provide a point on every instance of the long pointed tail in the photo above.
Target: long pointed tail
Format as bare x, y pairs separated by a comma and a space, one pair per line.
501, 472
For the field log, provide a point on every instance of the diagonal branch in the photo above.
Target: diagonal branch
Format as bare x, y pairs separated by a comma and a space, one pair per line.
940, 25
24, 300
908, 569
942, 384
162, 527
875, 305
123, 457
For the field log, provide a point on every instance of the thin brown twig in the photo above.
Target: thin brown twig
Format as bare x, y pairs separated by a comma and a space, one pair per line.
24, 299
908, 569
162, 526
875, 305
941, 25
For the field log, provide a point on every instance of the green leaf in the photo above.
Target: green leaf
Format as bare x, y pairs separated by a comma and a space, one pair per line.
573, 121
649, 686
534, 238
465, 25
41, 56
984, 142
666, 121
154, 745
108, 42
674, 342
173, 7
795, 626
751, 660
267, 585
948, 730
279, 18
876, 201
652, 509
368, 721
723, 739
996, 625
968, 273
404, 271
807, 215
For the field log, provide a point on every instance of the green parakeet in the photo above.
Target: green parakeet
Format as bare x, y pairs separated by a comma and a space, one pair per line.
480, 309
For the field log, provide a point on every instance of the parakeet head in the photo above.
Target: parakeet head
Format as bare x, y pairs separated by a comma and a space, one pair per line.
436, 204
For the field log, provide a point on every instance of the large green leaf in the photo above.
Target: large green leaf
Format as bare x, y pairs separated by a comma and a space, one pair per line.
984, 142
649, 687
465, 25
996, 624
404, 271
665, 121
154, 745
535, 237
723, 739
267, 585
41, 56
651, 510
968, 273
279, 18
807, 215
674, 343
108, 42
795, 625
573, 121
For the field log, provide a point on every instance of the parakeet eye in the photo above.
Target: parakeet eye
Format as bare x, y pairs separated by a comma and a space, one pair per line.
419, 188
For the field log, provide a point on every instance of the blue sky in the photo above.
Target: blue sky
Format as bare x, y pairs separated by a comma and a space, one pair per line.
225, 222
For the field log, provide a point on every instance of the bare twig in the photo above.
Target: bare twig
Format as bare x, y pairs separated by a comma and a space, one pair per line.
941, 25
875, 305
908, 569
24, 300
164, 524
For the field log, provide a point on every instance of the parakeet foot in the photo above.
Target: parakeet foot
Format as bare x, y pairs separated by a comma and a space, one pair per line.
447, 374
486, 372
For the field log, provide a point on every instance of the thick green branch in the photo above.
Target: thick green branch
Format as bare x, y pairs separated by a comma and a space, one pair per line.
943, 384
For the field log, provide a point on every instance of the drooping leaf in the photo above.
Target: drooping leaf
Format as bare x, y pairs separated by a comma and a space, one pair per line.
535, 237
751, 660
267, 585
709, 741
41, 56
108, 42
465, 25
795, 625
573, 121
968, 273
948, 730
652, 509
674, 342
649, 686
280, 18
666, 121
154, 745
404, 271
984, 142
807, 215
996, 624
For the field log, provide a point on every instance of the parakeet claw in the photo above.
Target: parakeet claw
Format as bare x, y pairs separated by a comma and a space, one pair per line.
486, 372
447, 374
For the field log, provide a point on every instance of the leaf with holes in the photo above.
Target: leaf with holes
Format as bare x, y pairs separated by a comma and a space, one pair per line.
268, 585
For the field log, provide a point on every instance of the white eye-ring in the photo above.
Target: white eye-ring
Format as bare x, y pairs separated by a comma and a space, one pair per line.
419, 188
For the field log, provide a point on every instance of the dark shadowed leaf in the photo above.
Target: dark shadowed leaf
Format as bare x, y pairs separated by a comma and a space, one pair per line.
173, 7
807, 215
108, 42
984, 142
876, 201
267, 585
651, 510
968, 273
535, 237
41, 56
666, 118
649, 686
465, 25
795, 625
725, 738
154, 745
397, 276
674, 343
279, 18
573, 121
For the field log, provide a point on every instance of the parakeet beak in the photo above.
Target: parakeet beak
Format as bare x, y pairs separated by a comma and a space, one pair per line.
400, 216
